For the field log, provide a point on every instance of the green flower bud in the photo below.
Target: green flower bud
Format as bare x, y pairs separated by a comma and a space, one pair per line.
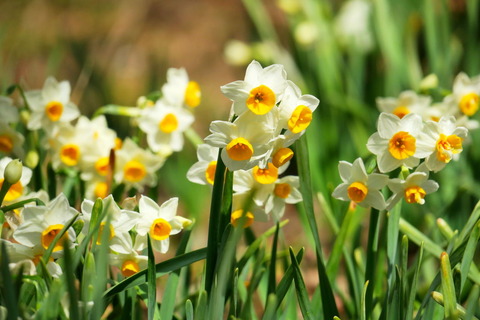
13, 171
32, 158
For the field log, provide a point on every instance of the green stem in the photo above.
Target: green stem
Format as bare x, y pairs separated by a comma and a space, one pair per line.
372, 249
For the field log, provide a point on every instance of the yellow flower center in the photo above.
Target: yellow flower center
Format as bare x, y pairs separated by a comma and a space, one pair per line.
102, 166
446, 144
118, 143
238, 215
129, 268
357, 191
282, 190
160, 229
134, 171
401, 111
193, 95
70, 154
210, 172
282, 156
101, 189
265, 176
402, 145
54, 110
239, 149
169, 123
415, 194
15, 191
6, 144
50, 233
469, 104
300, 119
100, 232
261, 100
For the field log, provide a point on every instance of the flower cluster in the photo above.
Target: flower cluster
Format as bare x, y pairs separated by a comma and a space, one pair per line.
36, 227
88, 147
411, 133
269, 113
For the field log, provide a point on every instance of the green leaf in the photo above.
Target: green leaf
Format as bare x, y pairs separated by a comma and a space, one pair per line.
201, 307
302, 294
161, 269
69, 273
273, 263
270, 310
188, 310
7, 286
372, 258
287, 279
152, 281
363, 308
472, 303
328, 298
413, 287
468, 255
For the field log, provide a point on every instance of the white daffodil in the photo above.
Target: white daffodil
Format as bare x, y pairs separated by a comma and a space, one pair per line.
413, 189
407, 102
296, 110
445, 139
96, 188
260, 183
42, 223
136, 167
19, 188
164, 126
203, 171
120, 223
464, 99
160, 222
360, 187
11, 141
95, 162
130, 262
51, 106
67, 147
15, 218
285, 191
261, 90
27, 258
398, 141
179, 90
8, 111
245, 142
240, 204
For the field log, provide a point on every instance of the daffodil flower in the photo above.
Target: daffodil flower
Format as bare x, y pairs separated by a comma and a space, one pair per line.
244, 214
11, 141
164, 126
285, 191
398, 142
136, 167
446, 140
51, 106
179, 90
261, 90
407, 102
41, 224
360, 187
203, 171
413, 189
120, 223
245, 142
129, 262
160, 222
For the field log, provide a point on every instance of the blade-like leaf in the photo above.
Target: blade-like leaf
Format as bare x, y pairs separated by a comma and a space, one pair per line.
302, 294
151, 280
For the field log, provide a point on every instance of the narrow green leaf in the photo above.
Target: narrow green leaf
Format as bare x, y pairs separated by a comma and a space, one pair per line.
201, 307
69, 273
459, 311
287, 279
413, 287
270, 310
372, 258
302, 294
214, 223
363, 308
272, 278
468, 255
472, 303
418, 237
7, 285
21, 204
450, 300
161, 268
328, 298
188, 310
471, 222
151, 281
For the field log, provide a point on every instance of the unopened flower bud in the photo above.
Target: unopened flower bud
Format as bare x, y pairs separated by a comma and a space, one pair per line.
13, 171
32, 158
429, 82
